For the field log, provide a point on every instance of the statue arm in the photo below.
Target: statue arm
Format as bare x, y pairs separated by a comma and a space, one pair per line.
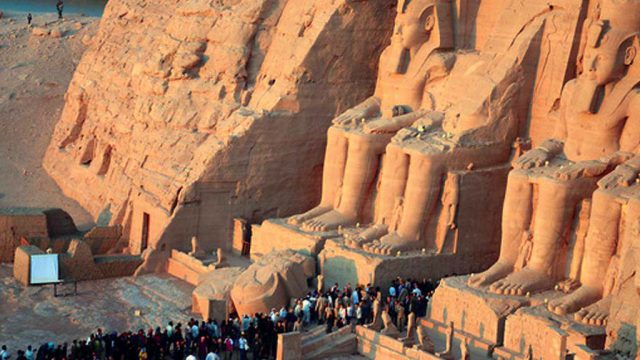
365, 110
395, 124
623, 175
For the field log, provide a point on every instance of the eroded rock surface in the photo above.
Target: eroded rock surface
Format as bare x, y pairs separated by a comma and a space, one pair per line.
184, 115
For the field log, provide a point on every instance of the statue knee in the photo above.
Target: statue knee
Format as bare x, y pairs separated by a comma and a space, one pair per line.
360, 145
558, 191
335, 135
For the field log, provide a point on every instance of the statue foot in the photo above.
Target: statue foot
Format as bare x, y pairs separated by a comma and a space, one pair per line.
496, 272
522, 282
300, 218
596, 314
358, 240
390, 244
330, 220
571, 303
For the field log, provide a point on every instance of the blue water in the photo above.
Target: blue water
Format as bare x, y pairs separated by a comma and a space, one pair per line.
87, 7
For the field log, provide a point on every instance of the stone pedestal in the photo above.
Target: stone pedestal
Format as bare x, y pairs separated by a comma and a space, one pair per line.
475, 312
508, 325
277, 235
341, 264
550, 336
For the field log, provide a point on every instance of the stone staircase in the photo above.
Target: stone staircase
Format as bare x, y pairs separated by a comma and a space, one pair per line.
317, 345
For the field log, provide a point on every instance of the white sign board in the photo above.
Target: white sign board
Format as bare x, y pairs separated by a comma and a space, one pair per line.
44, 269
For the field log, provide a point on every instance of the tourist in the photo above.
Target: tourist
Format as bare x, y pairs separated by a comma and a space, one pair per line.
29, 18
297, 326
214, 356
59, 8
4, 353
306, 311
228, 348
29, 353
331, 319
243, 346
170, 329
235, 337
321, 305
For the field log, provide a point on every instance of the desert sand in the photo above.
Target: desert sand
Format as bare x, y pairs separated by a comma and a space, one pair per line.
34, 74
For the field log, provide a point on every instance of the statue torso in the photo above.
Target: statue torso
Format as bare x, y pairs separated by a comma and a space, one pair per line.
591, 136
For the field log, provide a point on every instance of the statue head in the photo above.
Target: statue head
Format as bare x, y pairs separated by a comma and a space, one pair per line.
612, 41
424, 21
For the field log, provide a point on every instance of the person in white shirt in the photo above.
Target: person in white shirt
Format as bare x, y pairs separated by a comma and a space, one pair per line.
355, 299
243, 345
306, 311
212, 356
191, 357
274, 316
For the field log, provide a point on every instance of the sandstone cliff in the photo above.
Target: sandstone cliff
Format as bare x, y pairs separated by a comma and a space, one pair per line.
183, 115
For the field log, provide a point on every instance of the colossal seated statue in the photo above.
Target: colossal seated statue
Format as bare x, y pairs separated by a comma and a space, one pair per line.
479, 110
606, 241
597, 129
359, 136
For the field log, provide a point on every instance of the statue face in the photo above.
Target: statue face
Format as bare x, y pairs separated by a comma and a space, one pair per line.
604, 61
414, 25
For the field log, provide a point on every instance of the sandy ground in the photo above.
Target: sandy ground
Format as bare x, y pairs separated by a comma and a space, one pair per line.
33, 315
34, 74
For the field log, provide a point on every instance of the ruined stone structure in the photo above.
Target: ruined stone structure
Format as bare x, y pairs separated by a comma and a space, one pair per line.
410, 207
182, 116
568, 215
499, 139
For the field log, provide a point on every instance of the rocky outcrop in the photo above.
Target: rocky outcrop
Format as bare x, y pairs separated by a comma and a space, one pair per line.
182, 116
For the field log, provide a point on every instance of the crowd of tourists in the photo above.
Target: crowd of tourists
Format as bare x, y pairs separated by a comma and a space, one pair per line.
247, 337
355, 306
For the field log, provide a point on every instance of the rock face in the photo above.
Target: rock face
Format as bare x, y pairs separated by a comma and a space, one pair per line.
182, 116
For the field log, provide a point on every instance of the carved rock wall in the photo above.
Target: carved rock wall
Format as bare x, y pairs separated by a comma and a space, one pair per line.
183, 115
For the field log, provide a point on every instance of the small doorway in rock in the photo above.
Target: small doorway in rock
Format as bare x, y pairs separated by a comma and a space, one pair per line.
246, 240
144, 240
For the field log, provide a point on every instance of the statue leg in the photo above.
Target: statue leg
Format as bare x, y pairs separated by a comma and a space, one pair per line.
600, 246
361, 167
392, 184
335, 159
516, 219
556, 206
422, 190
